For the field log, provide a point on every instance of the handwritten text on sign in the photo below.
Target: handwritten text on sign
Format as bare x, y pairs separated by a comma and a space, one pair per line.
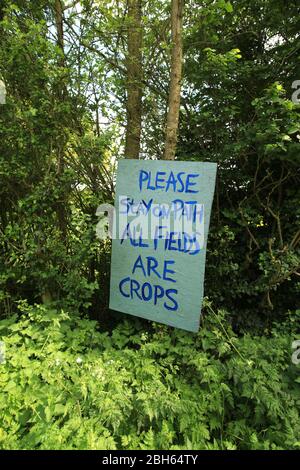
161, 226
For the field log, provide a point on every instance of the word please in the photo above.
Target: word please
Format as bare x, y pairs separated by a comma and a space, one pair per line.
180, 182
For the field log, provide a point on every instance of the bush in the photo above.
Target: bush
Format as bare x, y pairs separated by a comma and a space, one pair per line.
66, 385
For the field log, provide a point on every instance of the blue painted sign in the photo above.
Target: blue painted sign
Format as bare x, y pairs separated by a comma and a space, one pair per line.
161, 223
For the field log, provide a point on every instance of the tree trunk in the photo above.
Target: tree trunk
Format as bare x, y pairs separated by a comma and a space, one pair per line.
61, 211
134, 80
175, 82
59, 26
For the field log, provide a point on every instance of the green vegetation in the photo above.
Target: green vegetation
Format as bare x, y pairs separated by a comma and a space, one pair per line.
67, 386
77, 375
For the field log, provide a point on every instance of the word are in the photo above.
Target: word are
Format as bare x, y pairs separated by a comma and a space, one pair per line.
150, 267
181, 182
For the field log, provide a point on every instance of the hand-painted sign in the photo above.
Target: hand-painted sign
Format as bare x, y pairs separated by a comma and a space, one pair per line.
160, 234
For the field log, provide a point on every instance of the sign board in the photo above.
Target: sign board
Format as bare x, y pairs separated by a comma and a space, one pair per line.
161, 222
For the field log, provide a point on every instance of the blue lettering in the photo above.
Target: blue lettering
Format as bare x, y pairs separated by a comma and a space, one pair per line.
135, 287
190, 183
121, 286
171, 182
181, 190
168, 271
158, 293
144, 176
139, 264
158, 179
148, 286
152, 265
173, 307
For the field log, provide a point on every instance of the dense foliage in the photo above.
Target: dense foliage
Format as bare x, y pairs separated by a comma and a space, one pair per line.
132, 384
65, 385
